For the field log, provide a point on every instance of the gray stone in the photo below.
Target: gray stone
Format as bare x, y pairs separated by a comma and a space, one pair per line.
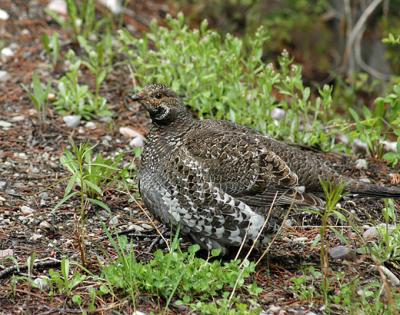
5, 124
72, 121
27, 210
4, 76
342, 252
361, 164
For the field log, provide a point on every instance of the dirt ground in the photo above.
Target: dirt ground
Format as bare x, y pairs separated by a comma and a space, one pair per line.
31, 175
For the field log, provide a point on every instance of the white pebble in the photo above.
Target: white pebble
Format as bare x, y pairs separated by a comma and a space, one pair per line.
35, 237
300, 239
18, 118
129, 132
5, 124
41, 283
4, 76
361, 164
389, 146
113, 5
45, 225
4, 15
7, 52
27, 210
90, 125
58, 6
342, 138
114, 220
278, 113
72, 121
136, 142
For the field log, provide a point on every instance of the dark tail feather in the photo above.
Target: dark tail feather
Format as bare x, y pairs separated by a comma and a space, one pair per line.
371, 190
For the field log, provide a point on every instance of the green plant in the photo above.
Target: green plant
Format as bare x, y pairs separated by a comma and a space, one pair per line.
99, 59
175, 275
333, 193
225, 78
90, 175
62, 282
81, 18
39, 96
304, 287
52, 46
74, 98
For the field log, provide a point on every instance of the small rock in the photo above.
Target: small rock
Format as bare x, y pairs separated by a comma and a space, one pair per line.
114, 220
341, 138
129, 132
389, 146
45, 225
5, 124
365, 180
136, 142
27, 210
274, 309
51, 97
44, 195
90, 125
300, 239
18, 118
6, 52
114, 5
138, 313
360, 146
371, 233
138, 228
342, 252
58, 6
2, 185
22, 155
41, 283
72, 121
147, 226
4, 15
4, 76
6, 221
35, 237
278, 113
361, 164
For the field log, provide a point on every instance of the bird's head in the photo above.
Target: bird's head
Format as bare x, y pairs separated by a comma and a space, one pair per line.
163, 105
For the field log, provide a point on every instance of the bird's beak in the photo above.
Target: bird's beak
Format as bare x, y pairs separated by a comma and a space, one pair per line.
137, 97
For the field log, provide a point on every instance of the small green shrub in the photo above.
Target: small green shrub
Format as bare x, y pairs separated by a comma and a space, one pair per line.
176, 274
77, 99
225, 78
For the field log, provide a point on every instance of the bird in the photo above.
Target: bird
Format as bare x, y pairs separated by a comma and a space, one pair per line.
219, 181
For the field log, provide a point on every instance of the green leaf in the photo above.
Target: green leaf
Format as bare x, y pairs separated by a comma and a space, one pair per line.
62, 201
99, 203
71, 183
93, 186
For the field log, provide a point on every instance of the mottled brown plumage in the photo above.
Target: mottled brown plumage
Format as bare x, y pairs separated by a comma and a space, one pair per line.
218, 179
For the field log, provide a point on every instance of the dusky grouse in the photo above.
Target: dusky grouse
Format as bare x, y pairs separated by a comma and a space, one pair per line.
217, 180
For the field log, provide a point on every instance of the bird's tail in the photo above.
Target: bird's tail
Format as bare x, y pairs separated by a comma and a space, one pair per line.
359, 189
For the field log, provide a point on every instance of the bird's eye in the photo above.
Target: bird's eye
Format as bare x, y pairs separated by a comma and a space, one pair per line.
158, 95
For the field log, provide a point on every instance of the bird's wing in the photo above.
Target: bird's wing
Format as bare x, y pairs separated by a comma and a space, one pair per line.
242, 166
